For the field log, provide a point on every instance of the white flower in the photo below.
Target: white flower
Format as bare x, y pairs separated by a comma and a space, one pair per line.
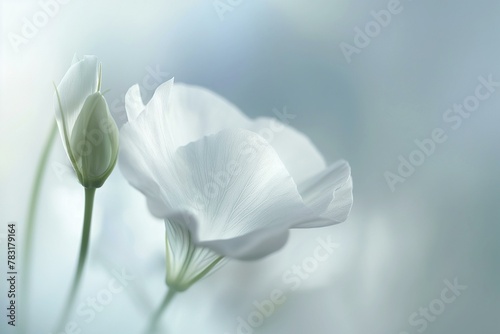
224, 190
87, 129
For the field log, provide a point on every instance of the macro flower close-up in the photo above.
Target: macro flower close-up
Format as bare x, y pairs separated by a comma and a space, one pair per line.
312, 168
223, 189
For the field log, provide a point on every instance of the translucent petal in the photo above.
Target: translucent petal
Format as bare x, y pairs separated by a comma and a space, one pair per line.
133, 102
329, 194
298, 153
175, 116
80, 81
231, 191
186, 262
184, 113
233, 185
196, 112
143, 150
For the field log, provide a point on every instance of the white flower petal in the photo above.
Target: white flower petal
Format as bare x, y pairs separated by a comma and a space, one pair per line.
329, 194
185, 113
229, 192
78, 83
146, 146
133, 102
136, 163
186, 262
251, 246
175, 116
196, 112
298, 153
191, 112
233, 185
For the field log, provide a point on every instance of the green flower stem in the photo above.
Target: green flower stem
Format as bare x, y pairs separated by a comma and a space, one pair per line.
153, 324
87, 220
30, 225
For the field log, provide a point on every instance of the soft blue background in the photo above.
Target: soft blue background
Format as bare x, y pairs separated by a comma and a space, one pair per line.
396, 249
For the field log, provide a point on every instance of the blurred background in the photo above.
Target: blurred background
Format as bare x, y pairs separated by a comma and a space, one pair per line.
364, 80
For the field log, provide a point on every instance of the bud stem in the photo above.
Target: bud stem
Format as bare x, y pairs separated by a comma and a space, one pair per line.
30, 225
87, 220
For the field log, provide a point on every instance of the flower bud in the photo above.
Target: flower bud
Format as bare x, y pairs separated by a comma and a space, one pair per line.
94, 142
